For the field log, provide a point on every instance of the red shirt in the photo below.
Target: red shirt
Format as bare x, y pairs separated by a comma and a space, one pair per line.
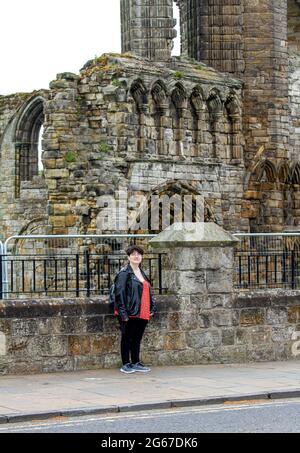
145, 303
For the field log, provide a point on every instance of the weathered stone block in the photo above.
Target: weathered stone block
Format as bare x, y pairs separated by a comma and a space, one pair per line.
94, 324
198, 258
23, 328
220, 281
187, 282
79, 345
204, 319
173, 321
228, 337
5, 326
260, 354
174, 341
202, 301
293, 314
153, 341
17, 347
230, 354
200, 339
2, 344
112, 361
222, 318
260, 335
26, 368
282, 334
55, 365
253, 316
90, 362
104, 344
277, 315
46, 346
174, 358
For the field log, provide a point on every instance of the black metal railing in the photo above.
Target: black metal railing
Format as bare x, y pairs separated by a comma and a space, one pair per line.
257, 269
1, 278
84, 274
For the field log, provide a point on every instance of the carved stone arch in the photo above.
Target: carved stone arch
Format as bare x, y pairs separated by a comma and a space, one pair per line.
38, 225
284, 172
192, 202
232, 105
160, 106
26, 139
159, 94
233, 114
197, 99
139, 93
198, 108
178, 112
284, 177
214, 103
179, 97
295, 173
215, 115
267, 169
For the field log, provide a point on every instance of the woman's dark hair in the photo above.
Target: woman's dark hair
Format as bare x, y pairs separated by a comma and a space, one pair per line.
134, 248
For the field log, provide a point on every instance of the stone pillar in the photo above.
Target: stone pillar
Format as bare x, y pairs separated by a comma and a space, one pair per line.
200, 261
148, 28
224, 34
211, 31
61, 147
200, 278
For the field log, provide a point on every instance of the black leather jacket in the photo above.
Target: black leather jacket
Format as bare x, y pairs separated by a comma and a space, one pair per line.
128, 291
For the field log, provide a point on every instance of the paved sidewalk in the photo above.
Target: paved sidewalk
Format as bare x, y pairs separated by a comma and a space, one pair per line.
66, 394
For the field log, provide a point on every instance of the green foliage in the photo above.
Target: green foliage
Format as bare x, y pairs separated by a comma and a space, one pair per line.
179, 75
70, 157
200, 67
103, 147
116, 83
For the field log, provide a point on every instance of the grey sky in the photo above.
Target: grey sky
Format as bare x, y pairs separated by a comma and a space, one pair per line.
41, 38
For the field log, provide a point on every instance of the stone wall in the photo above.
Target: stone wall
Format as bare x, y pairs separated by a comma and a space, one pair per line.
23, 197
148, 28
131, 123
294, 77
294, 92
223, 34
212, 31
68, 335
201, 319
126, 123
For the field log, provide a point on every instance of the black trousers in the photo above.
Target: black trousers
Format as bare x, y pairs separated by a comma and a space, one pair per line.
132, 334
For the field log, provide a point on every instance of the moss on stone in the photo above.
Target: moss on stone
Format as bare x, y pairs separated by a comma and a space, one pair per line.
179, 75
103, 147
70, 157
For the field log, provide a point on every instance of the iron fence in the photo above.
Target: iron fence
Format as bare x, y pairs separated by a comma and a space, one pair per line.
78, 265
265, 261
78, 275
1, 270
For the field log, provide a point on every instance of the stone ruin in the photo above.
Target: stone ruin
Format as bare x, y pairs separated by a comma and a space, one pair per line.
221, 122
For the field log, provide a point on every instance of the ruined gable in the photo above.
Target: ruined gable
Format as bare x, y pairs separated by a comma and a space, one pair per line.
223, 118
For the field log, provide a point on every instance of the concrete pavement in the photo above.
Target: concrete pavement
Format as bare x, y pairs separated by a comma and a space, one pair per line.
37, 397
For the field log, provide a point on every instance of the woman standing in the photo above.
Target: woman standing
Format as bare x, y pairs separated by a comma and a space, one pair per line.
134, 307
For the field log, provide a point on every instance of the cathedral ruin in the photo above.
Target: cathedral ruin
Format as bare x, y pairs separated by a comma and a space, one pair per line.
222, 122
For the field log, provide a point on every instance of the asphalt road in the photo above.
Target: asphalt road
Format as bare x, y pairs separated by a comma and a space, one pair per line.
248, 417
